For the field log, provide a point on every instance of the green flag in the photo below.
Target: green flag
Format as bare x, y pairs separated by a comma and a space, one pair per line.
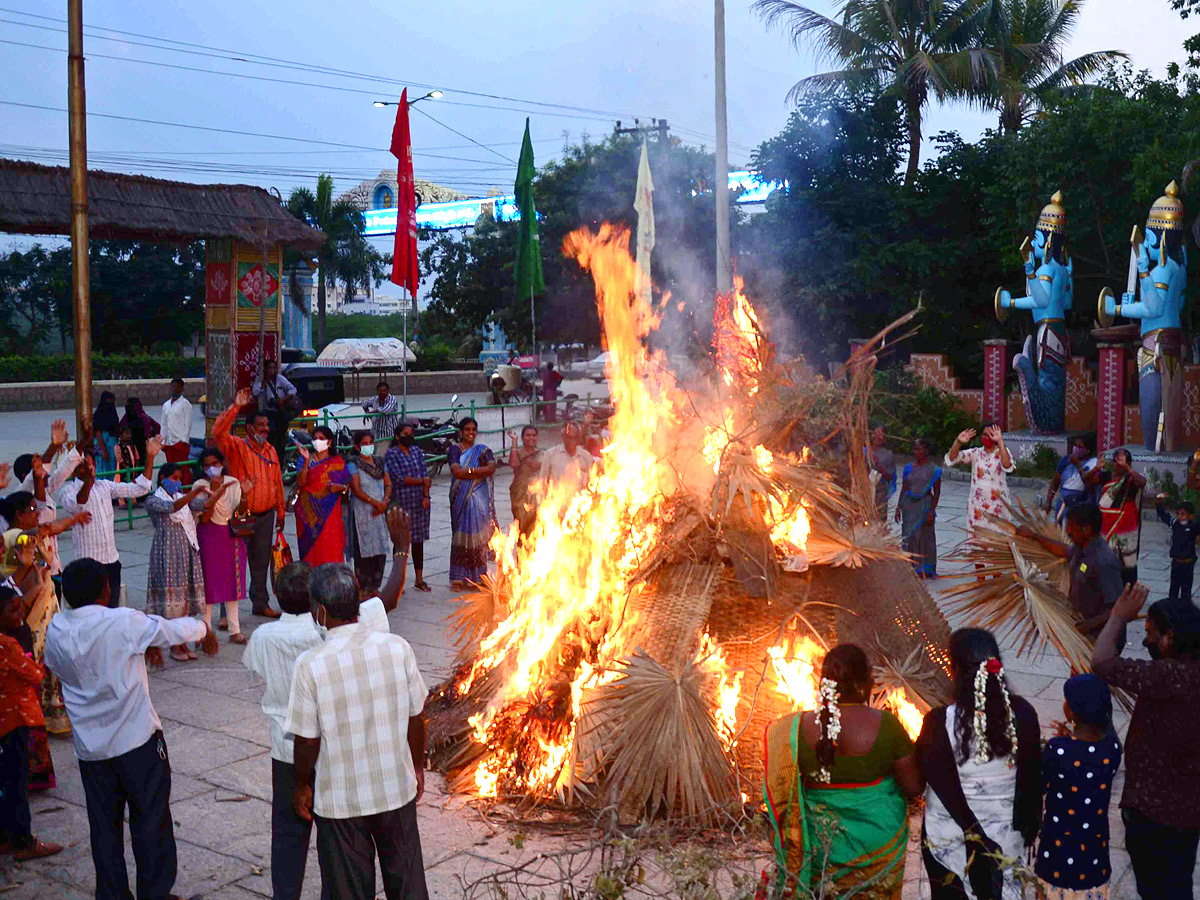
528, 269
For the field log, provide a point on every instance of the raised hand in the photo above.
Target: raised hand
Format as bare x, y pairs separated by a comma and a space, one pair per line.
153, 447
304, 452
39, 467
58, 432
964, 437
1131, 601
244, 397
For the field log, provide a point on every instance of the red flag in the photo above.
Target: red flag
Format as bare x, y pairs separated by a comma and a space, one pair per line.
405, 271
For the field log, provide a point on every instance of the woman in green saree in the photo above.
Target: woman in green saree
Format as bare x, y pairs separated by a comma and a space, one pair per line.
836, 789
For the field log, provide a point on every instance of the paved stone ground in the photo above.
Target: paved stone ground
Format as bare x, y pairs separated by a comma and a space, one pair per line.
219, 744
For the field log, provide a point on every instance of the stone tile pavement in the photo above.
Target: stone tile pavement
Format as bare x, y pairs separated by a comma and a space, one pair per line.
219, 744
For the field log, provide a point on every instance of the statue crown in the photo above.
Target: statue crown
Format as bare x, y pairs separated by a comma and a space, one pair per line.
1167, 212
1053, 217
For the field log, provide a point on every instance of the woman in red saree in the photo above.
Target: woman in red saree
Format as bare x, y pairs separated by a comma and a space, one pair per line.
322, 481
1121, 513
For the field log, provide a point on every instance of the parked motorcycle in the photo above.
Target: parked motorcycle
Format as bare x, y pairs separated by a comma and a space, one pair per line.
434, 436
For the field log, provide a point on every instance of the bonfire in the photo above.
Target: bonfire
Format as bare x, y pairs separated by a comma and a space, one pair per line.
630, 654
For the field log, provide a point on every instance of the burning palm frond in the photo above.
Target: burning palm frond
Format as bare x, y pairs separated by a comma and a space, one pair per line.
652, 740
477, 613
911, 675
853, 545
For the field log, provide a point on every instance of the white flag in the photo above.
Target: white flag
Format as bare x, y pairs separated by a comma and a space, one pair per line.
644, 205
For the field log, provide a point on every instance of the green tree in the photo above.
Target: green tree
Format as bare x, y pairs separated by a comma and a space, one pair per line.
35, 299
1027, 37
916, 49
145, 294
340, 221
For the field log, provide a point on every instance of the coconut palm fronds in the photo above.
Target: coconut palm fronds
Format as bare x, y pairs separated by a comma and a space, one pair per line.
651, 740
476, 614
853, 546
813, 485
741, 474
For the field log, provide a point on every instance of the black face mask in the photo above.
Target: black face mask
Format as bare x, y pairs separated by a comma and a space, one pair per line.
1153, 649
406, 440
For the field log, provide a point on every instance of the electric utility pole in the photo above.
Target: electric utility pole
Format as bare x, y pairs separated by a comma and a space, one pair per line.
724, 269
659, 125
81, 305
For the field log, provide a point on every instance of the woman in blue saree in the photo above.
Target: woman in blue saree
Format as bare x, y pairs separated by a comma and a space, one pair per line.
917, 509
472, 515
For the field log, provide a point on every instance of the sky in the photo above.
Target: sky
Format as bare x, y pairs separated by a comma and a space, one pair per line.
605, 61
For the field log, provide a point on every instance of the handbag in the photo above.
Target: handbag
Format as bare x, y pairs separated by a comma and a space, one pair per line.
241, 524
281, 553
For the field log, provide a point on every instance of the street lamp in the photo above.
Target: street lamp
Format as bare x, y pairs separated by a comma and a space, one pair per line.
432, 95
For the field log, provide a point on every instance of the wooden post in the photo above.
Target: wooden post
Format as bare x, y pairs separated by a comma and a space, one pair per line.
724, 264
81, 306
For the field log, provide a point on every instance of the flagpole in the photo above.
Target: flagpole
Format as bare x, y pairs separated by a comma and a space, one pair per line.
404, 359
533, 327
724, 270
81, 304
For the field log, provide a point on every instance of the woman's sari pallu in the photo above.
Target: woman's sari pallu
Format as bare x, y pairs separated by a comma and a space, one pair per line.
864, 825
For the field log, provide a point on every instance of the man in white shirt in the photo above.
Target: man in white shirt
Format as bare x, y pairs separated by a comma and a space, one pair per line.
359, 689
177, 428
567, 464
271, 655
95, 539
99, 655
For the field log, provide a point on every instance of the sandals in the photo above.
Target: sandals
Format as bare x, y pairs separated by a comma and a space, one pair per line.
179, 655
222, 624
36, 851
422, 586
238, 638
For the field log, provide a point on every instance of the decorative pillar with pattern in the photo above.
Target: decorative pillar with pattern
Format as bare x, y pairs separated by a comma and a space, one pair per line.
240, 298
1111, 392
995, 370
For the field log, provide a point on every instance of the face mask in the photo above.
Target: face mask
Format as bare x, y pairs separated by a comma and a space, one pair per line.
258, 438
171, 485
320, 445
406, 440
322, 631
213, 471
367, 450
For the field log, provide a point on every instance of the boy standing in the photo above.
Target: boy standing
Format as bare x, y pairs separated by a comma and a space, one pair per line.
20, 710
1184, 531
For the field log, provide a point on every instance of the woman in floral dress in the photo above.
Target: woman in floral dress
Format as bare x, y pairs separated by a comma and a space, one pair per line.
989, 467
176, 582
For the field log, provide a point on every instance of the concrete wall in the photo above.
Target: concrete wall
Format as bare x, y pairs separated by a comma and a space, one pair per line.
20, 396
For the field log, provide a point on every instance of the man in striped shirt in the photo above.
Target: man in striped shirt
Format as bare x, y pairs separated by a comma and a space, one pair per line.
252, 457
387, 416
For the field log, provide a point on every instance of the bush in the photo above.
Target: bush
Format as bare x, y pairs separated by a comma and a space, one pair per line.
433, 356
104, 367
1041, 463
908, 409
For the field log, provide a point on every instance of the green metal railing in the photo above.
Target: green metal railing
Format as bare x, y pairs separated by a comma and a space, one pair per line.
508, 414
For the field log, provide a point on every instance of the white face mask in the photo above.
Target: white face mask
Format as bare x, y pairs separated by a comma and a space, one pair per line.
320, 445
322, 631
213, 471
367, 450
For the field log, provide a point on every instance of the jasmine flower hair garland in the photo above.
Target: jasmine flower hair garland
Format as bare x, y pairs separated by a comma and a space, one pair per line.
991, 666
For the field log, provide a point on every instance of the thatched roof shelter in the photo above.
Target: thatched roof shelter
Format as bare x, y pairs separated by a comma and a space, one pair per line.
36, 199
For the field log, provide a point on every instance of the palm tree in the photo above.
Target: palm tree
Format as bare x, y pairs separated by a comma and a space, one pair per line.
913, 48
339, 220
1027, 37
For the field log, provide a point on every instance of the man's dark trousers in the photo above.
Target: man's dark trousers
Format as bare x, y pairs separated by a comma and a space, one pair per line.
140, 779
1181, 579
346, 849
258, 554
1163, 857
290, 836
113, 571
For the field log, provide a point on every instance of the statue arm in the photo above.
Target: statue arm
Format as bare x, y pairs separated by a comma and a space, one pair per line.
1039, 294
1154, 299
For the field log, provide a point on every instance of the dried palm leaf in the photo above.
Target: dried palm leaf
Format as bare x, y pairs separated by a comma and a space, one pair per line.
476, 614
650, 739
912, 675
987, 548
1026, 604
741, 475
853, 546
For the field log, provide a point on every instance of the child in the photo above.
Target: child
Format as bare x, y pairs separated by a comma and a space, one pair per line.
127, 456
20, 710
1077, 772
1184, 532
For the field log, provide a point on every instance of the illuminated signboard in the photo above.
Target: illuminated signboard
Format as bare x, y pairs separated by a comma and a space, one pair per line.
464, 213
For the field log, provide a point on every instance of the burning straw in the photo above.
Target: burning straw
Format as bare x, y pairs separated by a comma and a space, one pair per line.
609, 660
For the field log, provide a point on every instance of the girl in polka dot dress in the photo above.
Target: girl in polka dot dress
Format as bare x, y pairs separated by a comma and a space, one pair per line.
1078, 768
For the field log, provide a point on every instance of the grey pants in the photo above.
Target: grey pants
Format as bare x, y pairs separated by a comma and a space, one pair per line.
290, 836
346, 849
258, 554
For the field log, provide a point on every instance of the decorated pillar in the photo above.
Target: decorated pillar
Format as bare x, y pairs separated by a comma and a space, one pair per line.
241, 307
1110, 425
995, 368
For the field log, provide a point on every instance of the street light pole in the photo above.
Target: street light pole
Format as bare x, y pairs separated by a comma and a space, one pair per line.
81, 306
724, 269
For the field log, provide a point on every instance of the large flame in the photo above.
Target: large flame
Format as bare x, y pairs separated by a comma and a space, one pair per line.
569, 618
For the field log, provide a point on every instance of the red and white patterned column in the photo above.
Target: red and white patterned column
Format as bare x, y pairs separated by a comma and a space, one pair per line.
1110, 424
995, 370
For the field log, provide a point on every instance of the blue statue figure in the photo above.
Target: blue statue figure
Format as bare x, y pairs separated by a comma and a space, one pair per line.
1050, 290
1160, 261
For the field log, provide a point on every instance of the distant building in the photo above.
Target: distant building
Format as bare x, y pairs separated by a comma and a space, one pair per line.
378, 305
380, 192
